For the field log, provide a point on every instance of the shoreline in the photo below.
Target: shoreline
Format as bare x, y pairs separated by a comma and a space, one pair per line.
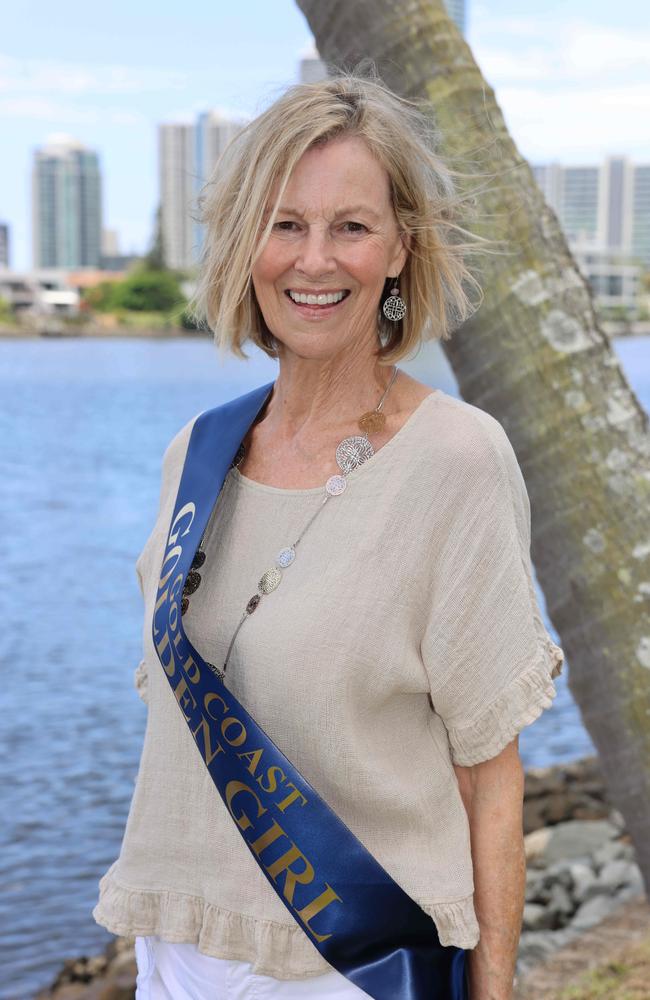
582, 876
55, 329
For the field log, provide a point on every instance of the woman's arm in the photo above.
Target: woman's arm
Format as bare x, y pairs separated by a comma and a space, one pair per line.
492, 793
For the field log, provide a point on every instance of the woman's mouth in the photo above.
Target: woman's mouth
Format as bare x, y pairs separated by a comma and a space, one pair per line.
316, 303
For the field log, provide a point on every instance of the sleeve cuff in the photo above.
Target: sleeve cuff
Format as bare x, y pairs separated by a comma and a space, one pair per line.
514, 709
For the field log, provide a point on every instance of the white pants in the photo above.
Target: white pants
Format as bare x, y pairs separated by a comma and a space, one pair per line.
169, 971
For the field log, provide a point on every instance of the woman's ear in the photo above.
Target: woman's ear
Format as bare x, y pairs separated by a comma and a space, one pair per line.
402, 253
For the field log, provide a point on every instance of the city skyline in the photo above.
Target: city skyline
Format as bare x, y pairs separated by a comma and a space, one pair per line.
571, 88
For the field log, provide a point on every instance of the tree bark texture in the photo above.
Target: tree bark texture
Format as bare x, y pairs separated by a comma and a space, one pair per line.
534, 357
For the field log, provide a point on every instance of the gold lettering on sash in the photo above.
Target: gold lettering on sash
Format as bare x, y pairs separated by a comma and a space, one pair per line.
228, 724
188, 511
270, 777
177, 552
253, 757
159, 603
273, 833
208, 753
170, 665
291, 797
235, 788
317, 905
283, 864
173, 608
191, 668
207, 701
184, 696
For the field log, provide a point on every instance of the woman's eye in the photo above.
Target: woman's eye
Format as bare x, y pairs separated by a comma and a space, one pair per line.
284, 225
357, 227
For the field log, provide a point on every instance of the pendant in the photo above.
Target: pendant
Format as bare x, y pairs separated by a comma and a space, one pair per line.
270, 580
372, 421
352, 452
335, 485
285, 557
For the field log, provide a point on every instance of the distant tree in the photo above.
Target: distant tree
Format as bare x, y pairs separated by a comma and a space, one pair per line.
99, 297
148, 291
154, 259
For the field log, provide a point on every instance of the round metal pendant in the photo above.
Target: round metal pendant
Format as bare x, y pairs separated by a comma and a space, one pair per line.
394, 307
335, 485
270, 580
285, 557
372, 421
198, 560
192, 582
252, 604
352, 452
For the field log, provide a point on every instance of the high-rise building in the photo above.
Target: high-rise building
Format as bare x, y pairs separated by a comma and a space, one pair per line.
456, 10
641, 213
4, 244
176, 179
66, 205
312, 67
187, 154
606, 206
212, 133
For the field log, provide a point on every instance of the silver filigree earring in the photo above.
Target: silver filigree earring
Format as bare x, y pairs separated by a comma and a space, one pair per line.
394, 307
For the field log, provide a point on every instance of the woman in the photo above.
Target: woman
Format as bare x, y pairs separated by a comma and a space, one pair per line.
396, 648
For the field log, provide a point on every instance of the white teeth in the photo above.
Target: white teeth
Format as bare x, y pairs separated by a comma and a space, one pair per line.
316, 300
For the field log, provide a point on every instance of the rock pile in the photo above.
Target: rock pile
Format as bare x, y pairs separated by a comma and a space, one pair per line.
578, 872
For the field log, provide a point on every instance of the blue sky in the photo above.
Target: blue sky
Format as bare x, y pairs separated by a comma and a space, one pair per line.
572, 79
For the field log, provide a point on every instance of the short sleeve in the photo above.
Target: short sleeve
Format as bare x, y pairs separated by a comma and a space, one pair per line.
489, 658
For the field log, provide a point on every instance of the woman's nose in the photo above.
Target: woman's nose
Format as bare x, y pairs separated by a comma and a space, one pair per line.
315, 253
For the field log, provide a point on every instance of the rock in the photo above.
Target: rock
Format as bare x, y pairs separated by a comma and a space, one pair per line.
568, 840
616, 874
593, 911
583, 881
536, 917
560, 906
611, 851
535, 844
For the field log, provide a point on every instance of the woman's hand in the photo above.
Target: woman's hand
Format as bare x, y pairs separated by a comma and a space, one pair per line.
493, 793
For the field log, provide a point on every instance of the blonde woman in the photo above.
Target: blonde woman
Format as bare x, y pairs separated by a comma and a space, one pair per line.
341, 639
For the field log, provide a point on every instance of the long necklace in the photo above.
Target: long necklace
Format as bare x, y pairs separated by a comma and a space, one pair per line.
351, 452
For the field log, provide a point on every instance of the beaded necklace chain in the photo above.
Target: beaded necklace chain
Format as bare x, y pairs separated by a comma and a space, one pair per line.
351, 452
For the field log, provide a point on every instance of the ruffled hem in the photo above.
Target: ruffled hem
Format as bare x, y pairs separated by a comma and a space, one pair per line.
140, 680
518, 706
456, 922
272, 948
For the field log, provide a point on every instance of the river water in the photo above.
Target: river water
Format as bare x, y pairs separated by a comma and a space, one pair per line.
83, 426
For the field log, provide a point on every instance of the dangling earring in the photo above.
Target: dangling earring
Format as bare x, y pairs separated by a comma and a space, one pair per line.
394, 307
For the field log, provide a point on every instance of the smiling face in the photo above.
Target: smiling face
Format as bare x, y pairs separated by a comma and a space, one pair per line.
335, 240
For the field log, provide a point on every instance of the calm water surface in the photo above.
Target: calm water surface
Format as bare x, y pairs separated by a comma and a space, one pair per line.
83, 425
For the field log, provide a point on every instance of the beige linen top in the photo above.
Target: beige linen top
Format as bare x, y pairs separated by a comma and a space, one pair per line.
404, 637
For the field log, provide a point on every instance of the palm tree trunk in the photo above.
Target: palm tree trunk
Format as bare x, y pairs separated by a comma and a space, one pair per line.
535, 357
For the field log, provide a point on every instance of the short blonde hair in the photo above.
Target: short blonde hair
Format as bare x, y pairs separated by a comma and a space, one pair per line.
401, 135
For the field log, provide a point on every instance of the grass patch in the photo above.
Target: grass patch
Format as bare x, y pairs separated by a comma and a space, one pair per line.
625, 978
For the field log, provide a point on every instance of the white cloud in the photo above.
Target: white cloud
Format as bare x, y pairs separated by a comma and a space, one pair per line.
45, 109
569, 89
50, 76
577, 124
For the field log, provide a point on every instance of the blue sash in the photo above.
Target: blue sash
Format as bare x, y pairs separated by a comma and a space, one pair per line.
350, 908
